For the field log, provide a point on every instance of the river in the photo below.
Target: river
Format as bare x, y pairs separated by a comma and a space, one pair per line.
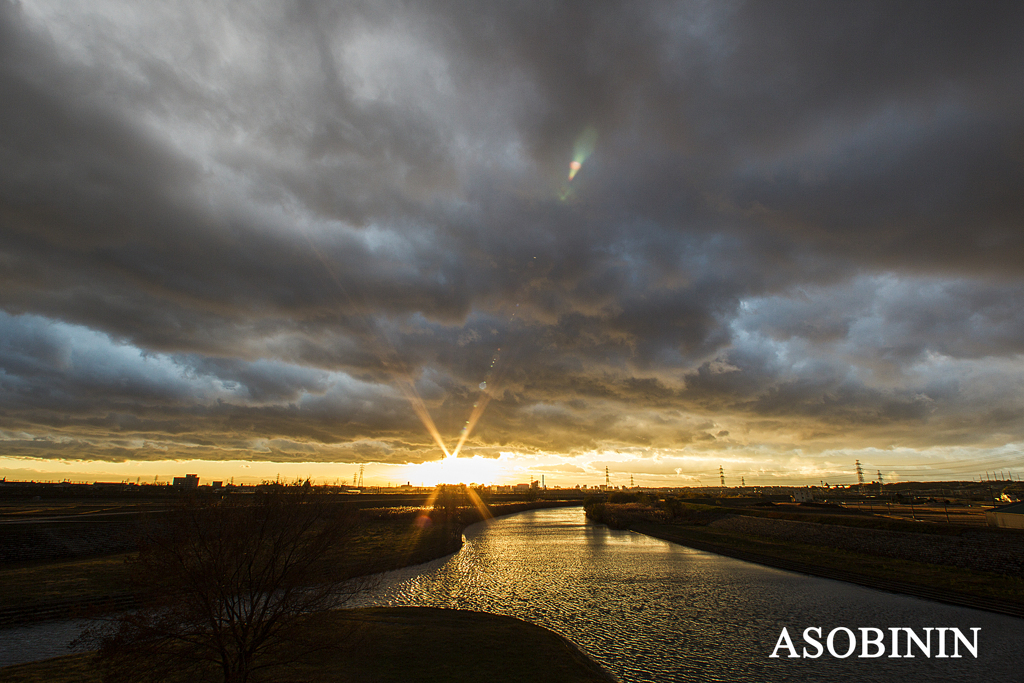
650, 610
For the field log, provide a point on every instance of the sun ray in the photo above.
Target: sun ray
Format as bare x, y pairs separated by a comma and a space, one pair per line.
481, 506
474, 417
383, 348
407, 388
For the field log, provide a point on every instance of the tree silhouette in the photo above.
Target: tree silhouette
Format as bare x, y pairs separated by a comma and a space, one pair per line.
227, 585
449, 502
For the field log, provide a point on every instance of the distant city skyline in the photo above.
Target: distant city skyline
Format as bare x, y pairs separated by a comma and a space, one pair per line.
435, 473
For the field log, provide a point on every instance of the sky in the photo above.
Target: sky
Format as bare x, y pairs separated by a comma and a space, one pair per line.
292, 238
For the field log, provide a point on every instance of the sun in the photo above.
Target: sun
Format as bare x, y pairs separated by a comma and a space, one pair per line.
462, 470
459, 470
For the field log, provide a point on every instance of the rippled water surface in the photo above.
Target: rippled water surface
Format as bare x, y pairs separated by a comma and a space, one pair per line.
649, 610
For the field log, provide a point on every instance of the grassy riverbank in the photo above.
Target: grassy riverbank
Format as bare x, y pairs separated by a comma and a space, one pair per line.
692, 526
381, 544
396, 645
387, 538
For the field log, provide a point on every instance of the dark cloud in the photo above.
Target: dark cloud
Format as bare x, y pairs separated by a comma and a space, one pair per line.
225, 231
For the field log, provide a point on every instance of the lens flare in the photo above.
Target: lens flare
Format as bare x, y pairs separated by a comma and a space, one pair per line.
585, 144
583, 148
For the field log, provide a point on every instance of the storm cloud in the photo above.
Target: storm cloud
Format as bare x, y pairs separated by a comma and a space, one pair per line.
234, 232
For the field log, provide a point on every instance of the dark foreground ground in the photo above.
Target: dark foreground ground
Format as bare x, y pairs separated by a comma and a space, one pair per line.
398, 644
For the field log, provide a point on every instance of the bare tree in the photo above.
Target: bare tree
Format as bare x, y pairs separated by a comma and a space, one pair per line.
226, 586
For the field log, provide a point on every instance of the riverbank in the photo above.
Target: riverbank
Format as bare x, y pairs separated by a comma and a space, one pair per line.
389, 538
870, 552
397, 645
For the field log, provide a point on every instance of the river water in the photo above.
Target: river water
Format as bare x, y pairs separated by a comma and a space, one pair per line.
650, 610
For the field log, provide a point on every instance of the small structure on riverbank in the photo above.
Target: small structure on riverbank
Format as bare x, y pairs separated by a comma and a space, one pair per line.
1008, 516
804, 495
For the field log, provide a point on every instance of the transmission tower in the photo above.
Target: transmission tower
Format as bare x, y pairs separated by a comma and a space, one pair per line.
743, 481
631, 481
721, 475
360, 484
880, 477
607, 480
860, 474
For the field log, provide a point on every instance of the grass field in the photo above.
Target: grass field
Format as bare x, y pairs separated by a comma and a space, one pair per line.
42, 582
385, 539
954, 579
396, 645
379, 545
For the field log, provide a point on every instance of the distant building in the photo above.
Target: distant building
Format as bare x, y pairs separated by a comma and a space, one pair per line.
802, 495
189, 481
1009, 516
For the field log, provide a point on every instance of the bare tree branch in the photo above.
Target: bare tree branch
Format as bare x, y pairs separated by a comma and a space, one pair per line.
226, 585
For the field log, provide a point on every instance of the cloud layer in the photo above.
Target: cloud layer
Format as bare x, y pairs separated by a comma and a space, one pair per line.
231, 232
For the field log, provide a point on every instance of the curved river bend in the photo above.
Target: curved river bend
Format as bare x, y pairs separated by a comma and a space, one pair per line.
650, 610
